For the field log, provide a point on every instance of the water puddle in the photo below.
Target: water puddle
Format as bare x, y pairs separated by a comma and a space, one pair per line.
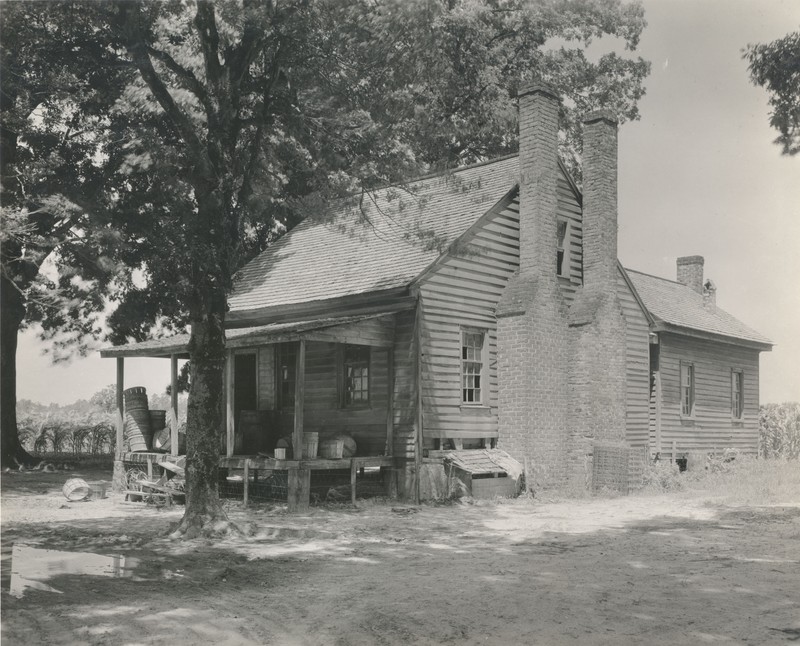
31, 567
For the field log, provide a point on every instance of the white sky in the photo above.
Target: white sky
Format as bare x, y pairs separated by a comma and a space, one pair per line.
699, 174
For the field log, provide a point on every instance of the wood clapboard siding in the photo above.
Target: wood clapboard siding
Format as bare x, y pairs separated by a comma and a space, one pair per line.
637, 369
463, 292
266, 377
405, 407
713, 428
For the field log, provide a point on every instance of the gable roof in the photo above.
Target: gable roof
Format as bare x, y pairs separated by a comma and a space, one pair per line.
401, 232
673, 304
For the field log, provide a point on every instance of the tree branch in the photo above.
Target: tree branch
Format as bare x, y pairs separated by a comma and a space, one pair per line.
137, 49
187, 77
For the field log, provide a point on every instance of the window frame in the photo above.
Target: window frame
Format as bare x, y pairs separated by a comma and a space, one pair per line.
483, 383
690, 370
562, 248
737, 384
343, 364
285, 401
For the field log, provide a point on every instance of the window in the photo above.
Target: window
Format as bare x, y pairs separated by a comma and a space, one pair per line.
687, 389
471, 366
356, 375
287, 374
562, 243
737, 394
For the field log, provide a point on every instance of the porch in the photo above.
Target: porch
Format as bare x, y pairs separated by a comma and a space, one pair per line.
331, 376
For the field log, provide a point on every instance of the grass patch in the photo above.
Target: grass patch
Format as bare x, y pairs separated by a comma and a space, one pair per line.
747, 480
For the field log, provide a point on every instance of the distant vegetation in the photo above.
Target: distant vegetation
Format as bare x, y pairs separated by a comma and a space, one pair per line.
85, 427
779, 431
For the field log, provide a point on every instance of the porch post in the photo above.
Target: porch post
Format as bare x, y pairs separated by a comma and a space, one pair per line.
229, 422
118, 482
173, 409
299, 478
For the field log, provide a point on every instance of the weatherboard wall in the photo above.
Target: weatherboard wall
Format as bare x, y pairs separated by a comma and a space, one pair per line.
637, 369
462, 292
712, 427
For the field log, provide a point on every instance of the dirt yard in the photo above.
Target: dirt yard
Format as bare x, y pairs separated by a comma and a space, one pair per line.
677, 569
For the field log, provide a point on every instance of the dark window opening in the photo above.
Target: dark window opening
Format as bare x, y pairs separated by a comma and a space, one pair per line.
356, 375
287, 374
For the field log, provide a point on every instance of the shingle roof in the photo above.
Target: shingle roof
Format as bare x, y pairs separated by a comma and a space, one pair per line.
353, 254
679, 305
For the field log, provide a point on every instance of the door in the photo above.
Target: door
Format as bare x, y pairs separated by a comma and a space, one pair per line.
245, 398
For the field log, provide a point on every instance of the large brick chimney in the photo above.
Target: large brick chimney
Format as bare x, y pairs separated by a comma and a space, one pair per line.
597, 383
531, 316
690, 272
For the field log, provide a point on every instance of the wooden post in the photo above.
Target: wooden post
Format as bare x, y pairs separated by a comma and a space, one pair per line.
390, 402
173, 409
353, 481
150, 469
299, 479
120, 407
229, 421
657, 386
299, 488
246, 481
118, 479
299, 397
419, 420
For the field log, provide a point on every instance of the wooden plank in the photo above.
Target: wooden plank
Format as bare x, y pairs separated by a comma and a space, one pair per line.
299, 399
246, 487
120, 408
353, 471
229, 415
173, 408
390, 401
420, 419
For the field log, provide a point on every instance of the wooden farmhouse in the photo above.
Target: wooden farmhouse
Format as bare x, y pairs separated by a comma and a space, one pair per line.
479, 308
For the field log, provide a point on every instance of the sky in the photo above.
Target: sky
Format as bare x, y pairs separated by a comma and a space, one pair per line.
698, 175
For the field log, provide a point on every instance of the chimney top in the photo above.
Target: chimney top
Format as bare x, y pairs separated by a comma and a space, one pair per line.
601, 115
538, 87
690, 272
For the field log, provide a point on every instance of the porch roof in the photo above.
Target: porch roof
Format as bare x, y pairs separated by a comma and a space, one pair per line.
235, 338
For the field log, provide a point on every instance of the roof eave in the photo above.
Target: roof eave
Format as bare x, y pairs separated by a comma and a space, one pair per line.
663, 326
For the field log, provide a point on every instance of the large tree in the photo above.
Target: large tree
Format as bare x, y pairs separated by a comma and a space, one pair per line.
60, 79
775, 66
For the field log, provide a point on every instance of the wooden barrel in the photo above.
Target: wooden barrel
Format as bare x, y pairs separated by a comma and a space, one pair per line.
135, 397
137, 430
158, 420
75, 489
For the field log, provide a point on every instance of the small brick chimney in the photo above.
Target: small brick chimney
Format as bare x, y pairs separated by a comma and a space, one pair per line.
690, 272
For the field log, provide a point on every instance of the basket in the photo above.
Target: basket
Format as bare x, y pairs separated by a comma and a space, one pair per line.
310, 444
137, 430
135, 397
332, 449
158, 420
75, 489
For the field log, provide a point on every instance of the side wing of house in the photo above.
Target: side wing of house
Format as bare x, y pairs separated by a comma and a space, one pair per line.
708, 396
458, 329
637, 371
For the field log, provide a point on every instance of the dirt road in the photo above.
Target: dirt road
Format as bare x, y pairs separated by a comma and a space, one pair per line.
633, 570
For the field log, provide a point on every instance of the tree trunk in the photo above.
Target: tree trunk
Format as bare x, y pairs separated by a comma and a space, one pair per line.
206, 405
12, 313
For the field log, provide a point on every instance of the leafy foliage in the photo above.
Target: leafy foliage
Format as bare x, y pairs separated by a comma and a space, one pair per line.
779, 430
775, 66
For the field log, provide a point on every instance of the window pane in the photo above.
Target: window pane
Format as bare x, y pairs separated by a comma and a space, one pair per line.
471, 366
356, 371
